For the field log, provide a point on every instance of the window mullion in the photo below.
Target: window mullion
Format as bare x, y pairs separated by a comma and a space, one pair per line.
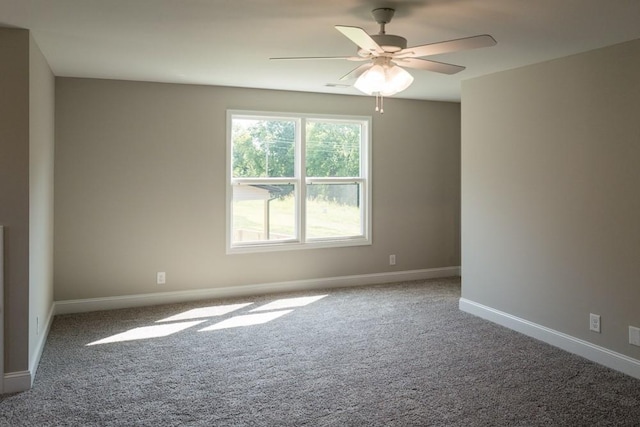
301, 175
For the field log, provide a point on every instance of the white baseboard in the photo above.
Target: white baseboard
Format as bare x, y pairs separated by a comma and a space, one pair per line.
127, 301
33, 364
17, 381
595, 353
23, 380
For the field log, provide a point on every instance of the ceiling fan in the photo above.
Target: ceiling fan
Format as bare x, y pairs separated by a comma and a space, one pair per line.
386, 55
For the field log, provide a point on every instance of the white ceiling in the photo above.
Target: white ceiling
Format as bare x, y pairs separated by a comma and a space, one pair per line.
228, 42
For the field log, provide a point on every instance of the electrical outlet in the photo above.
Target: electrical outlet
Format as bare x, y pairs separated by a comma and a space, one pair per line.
634, 335
594, 322
161, 278
392, 260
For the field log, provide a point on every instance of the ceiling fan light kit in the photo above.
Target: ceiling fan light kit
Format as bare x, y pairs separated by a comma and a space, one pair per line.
387, 54
383, 78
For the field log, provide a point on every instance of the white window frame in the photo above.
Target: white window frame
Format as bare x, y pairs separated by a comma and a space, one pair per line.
300, 182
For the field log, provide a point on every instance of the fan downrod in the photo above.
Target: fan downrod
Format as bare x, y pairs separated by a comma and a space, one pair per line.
383, 16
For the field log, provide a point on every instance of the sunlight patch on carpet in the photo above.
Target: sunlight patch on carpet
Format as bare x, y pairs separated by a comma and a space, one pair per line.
260, 315
198, 313
246, 320
289, 303
147, 332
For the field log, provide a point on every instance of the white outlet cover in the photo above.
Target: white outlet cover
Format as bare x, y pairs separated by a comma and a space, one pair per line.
634, 335
594, 322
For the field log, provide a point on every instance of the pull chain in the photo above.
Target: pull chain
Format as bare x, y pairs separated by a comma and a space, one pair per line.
379, 103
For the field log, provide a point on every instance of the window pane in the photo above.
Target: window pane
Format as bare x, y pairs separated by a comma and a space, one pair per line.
263, 213
333, 149
263, 148
333, 210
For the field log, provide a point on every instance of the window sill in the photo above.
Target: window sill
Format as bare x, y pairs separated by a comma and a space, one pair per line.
294, 246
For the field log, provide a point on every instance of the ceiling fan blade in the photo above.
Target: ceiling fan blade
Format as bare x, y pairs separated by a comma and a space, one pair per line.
348, 58
457, 45
356, 72
360, 37
424, 64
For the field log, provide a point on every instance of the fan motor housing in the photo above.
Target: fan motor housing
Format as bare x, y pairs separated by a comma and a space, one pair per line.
388, 42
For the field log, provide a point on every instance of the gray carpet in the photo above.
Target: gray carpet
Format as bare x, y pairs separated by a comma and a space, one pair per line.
387, 355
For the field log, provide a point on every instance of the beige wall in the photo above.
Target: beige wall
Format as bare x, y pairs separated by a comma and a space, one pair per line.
26, 195
551, 193
41, 150
14, 192
140, 188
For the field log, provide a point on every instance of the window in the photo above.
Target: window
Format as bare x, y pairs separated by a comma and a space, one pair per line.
297, 181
